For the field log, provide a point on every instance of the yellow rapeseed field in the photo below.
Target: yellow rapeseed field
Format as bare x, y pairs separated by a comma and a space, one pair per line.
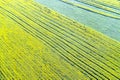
37, 43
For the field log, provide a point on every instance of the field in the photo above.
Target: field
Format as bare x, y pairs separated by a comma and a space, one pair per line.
112, 3
39, 43
93, 13
92, 10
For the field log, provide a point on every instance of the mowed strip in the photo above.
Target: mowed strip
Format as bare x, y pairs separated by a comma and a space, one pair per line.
90, 9
99, 6
82, 48
110, 3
